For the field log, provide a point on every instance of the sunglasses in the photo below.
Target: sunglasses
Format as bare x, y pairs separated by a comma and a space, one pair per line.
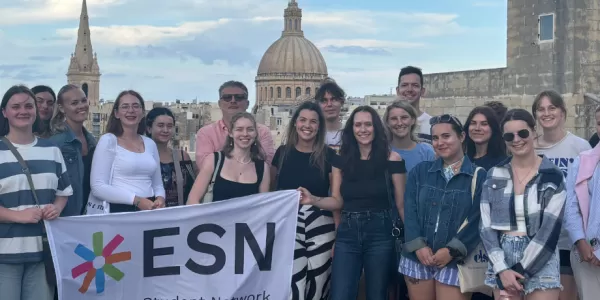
235, 97
445, 119
510, 136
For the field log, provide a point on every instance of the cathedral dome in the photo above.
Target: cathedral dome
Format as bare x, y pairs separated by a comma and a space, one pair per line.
292, 54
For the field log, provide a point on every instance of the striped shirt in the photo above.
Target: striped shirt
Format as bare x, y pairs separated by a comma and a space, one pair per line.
544, 202
22, 243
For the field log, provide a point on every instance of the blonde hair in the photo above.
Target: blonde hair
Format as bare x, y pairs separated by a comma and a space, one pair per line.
406, 107
57, 122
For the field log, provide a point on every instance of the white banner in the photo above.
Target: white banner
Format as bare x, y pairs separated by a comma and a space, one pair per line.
240, 249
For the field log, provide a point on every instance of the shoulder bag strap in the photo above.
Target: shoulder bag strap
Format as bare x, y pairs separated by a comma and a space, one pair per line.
178, 175
25, 169
473, 188
217, 167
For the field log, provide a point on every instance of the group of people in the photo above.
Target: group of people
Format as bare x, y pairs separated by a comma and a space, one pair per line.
389, 207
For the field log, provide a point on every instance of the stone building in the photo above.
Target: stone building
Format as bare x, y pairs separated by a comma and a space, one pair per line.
292, 68
550, 45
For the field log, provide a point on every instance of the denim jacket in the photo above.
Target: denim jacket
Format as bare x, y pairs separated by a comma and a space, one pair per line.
71, 149
430, 201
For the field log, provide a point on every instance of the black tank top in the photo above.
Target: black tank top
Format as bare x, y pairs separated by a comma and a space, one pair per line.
225, 189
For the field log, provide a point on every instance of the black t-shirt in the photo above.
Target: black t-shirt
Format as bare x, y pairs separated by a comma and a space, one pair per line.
487, 161
298, 171
367, 189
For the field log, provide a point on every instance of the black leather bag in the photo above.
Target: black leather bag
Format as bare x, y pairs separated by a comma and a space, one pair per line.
397, 224
46, 254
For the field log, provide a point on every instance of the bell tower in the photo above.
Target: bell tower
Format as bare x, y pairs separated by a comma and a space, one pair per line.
83, 68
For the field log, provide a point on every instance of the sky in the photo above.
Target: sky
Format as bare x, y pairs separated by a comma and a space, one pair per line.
186, 49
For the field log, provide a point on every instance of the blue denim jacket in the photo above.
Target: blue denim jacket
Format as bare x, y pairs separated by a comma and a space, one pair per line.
71, 149
430, 201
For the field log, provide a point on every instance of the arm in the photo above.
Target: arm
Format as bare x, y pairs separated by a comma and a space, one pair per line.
274, 168
204, 147
467, 237
266, 142
202, 181
100, 174
489, 236
333, 202
399, 182
573, 221
413, 235
266, 182
63, 190
157, 183
543, 245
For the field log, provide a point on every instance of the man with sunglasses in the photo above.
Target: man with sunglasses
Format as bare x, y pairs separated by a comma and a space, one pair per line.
410, 88
233, 98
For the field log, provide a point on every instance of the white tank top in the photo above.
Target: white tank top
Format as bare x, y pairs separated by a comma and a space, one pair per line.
520, 214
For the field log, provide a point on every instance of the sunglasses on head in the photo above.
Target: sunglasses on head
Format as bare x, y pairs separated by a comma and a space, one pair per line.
445, 119
510, 136
235, 97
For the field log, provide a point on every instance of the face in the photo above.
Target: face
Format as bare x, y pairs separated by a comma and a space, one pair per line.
409, 88
307, 125
479, 129
162, 129
233, 100
75, 106
400, 122
243, 133
363, 128
20, 111
331, 106
45, 105
129, 111
518, 137
446, 143
548, 115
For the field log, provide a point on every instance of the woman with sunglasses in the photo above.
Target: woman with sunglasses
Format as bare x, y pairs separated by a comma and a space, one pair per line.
438, 200
521, 216
561, 147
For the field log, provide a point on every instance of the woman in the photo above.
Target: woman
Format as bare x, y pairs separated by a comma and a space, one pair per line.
76, 144
582, 220
483, 140
45, 99
437, 202
22, 269
561, 147
364, 176
177, 180
125, 174
401, 120
521, 215
305, 161
240, 168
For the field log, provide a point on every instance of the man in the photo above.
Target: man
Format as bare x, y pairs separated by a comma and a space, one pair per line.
331, 97
410, 88
233, 98
498, 108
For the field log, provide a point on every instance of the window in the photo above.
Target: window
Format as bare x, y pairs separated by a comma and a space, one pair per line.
296, 24
96, 117
271, 93
278, 121
278, 92
298, 92
84, 87
546, 27
307, 91
288, 92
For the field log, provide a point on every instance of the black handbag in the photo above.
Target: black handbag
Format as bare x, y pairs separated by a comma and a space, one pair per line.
397, 224
46, 254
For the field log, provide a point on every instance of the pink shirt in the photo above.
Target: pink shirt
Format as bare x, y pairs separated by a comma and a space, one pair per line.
211, 138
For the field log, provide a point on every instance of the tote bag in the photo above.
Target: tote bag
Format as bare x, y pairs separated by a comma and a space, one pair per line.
471, 273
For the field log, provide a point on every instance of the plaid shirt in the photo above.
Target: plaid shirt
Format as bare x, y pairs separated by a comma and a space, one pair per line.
544, 199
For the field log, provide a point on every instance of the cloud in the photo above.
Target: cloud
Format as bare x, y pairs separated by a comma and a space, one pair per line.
367, 43
356, 50
46, 58
491, 3
44, 11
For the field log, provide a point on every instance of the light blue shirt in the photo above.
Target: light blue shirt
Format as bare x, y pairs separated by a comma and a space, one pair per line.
421, 152
573, 221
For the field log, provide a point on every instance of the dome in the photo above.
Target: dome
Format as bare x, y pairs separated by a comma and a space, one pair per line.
292, 54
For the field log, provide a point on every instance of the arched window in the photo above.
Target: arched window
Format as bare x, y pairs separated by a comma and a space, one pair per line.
290, 25
298, 92
288, 92
278, 92
85, 88
296, 24
307, 91
271, 93
265, 94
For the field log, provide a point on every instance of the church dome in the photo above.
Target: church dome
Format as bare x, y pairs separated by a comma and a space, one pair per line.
292, 54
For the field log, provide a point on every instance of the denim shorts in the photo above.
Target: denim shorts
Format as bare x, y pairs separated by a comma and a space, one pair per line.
447, 275
514, 246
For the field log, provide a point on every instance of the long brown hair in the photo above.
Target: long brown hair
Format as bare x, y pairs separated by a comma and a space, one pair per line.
256, 150
114, 125
317, 157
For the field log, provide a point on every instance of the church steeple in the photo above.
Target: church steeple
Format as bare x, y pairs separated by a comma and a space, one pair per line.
292, 16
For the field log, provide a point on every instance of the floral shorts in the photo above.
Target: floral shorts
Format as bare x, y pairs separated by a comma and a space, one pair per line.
514, 246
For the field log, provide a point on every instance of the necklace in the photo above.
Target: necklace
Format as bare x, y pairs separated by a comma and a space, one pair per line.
455, 166
526, 175
132, 144
243, 162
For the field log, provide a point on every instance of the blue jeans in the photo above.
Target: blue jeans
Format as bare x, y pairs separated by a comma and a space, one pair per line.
25, 281
363, 240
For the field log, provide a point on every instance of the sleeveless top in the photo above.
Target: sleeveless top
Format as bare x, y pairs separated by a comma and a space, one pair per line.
224, 189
